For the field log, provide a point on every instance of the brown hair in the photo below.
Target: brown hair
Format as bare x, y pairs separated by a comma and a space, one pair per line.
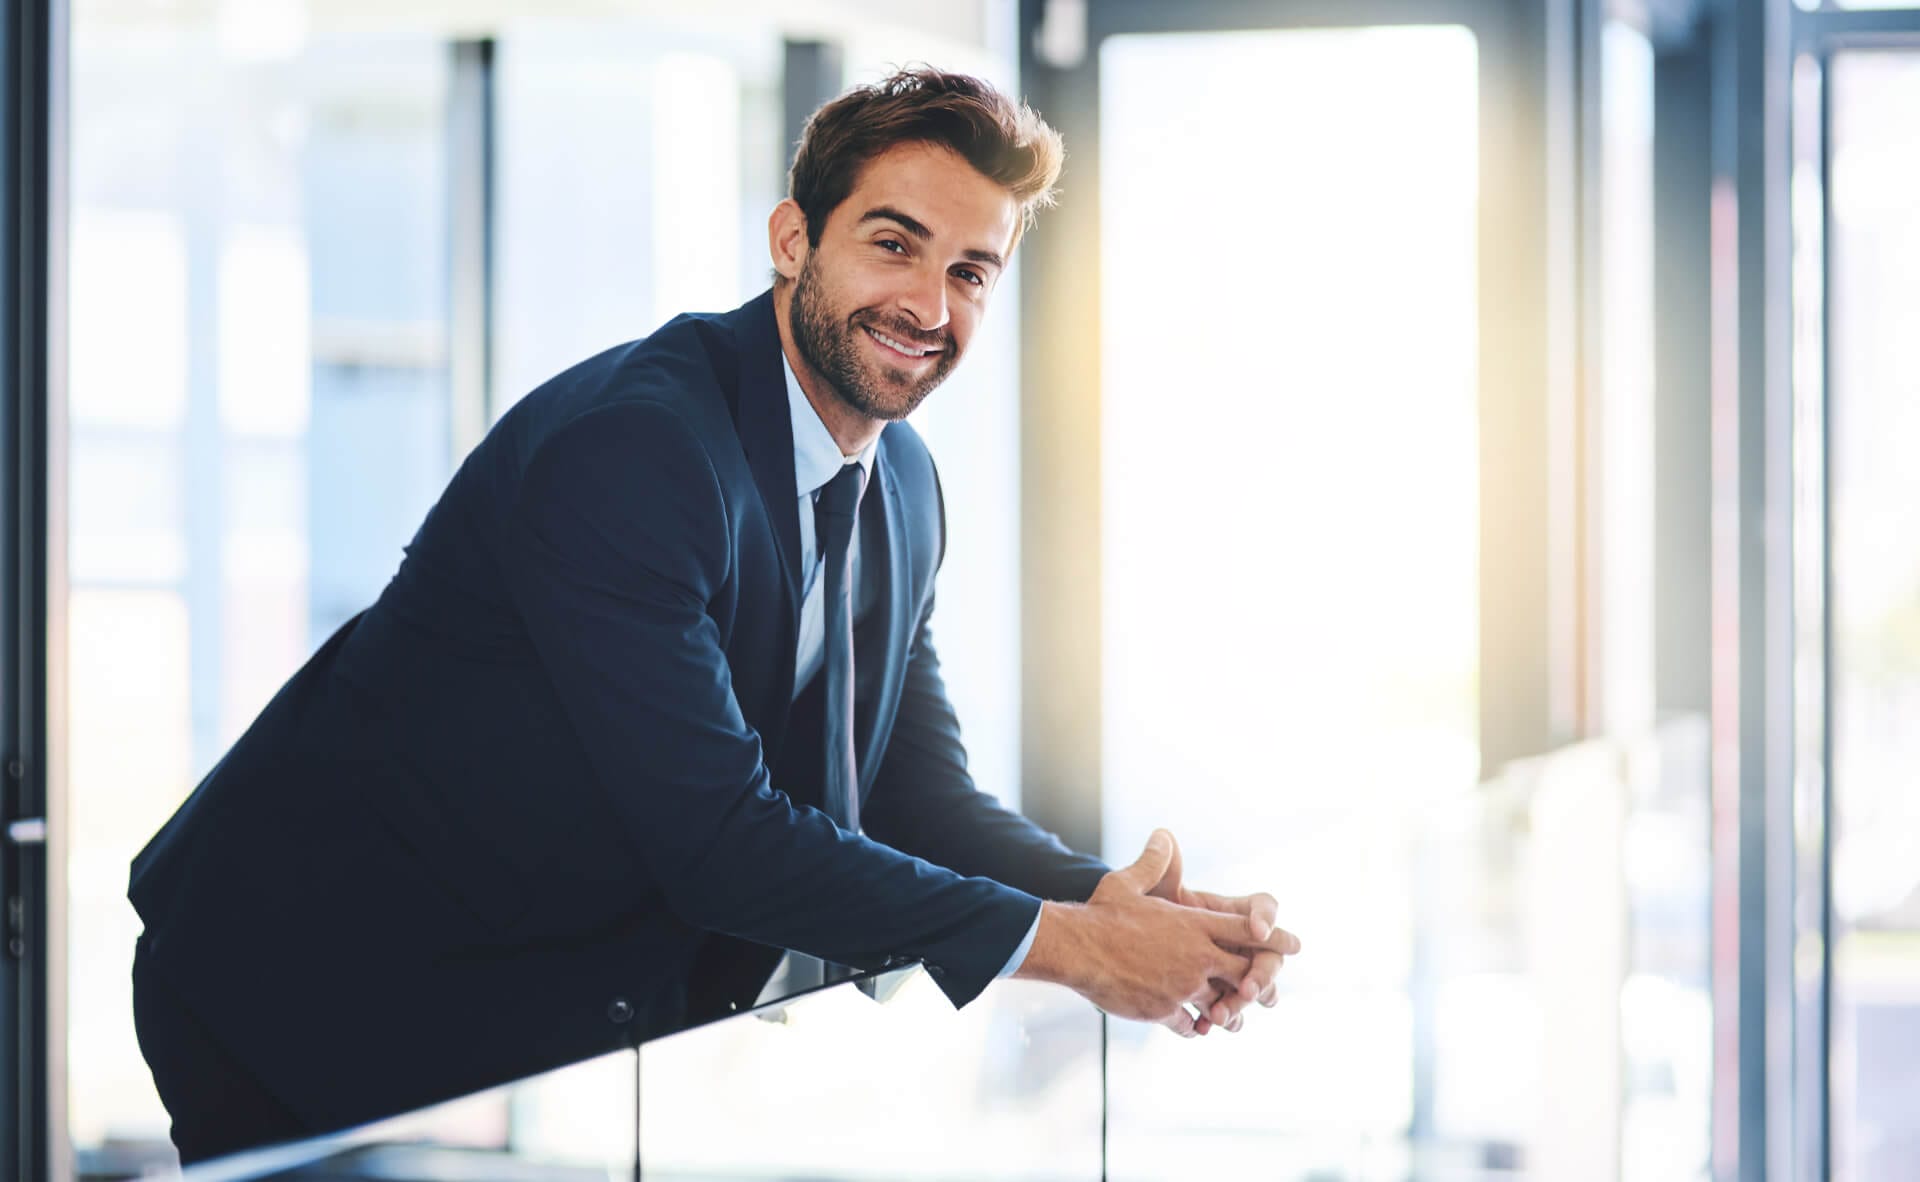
1004, 140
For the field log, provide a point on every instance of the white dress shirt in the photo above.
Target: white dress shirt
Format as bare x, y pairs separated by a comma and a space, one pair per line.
817, 459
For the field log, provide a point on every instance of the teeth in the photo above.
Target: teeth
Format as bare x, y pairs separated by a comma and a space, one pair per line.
890, 343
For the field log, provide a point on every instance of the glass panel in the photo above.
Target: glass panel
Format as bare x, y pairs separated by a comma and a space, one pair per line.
1625, 418
1663, 1007
1666, 1006
829, 1085
1874, 408
572, 1125
258, 421
1809, 1098
1289, 317
591, 248
840, 1088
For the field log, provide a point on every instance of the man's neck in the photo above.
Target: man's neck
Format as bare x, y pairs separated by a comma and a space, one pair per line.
851, 430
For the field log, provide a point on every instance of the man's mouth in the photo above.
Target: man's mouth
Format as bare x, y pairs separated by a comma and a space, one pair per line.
896, 345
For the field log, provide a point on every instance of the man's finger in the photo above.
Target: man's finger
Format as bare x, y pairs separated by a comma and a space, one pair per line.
1226, 1006
1230, 931
1151, 866
1227, 930
1180, 1022
1167, 886
1259, 978
1213, 902
1236, 994
1278, 940
1227, 968
1262, 911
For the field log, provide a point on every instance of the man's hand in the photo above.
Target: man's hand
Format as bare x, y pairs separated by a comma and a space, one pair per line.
1137, 956
1267, 946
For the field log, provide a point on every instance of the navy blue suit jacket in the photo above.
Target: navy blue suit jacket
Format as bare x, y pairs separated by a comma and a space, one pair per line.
551, 795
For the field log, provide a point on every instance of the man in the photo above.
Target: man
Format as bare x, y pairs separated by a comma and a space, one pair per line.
560, 789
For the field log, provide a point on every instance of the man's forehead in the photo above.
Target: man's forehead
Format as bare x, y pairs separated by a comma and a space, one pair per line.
939, 190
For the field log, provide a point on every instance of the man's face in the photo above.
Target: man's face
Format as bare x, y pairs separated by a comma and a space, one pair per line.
884, 306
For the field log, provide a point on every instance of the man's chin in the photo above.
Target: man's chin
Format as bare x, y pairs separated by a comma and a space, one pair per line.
895, 401
887, 412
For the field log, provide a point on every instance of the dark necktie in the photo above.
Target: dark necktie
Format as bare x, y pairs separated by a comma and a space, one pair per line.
833, 515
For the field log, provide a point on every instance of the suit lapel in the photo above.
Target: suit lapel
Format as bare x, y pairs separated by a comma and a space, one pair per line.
764, 423
766, 433
891, 623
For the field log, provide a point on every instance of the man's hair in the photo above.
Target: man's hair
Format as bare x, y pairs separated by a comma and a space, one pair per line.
1004, 141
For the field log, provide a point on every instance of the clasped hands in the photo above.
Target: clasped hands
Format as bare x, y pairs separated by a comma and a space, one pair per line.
1266, 947
1146, 946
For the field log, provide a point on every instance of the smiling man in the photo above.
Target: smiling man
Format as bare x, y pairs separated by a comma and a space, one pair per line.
653, 696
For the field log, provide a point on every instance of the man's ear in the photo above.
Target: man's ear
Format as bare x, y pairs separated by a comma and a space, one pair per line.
787, 239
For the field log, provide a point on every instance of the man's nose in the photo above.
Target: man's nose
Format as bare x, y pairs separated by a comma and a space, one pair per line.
926, 299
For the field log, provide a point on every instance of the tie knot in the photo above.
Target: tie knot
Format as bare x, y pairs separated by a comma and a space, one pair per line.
841, 495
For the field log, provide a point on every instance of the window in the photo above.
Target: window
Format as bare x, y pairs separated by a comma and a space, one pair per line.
1874, 516
258, 421
1291, 544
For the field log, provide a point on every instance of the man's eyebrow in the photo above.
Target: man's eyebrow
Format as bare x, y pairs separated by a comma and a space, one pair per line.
987, 257
910, 224
918, 229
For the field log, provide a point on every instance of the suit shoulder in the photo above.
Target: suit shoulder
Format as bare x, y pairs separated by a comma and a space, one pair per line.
689, 366
908, 458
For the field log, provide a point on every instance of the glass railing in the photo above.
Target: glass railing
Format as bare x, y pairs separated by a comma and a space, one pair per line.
1551, 1021
1560, 1015
877, 1071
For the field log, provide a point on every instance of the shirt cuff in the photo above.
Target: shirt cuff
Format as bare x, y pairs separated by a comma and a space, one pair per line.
1025, 946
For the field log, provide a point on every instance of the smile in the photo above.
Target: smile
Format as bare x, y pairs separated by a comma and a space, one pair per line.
900, 347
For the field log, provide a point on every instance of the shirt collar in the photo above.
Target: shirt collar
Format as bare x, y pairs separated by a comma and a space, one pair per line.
816, 457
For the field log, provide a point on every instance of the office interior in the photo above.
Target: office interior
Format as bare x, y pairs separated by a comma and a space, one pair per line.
1450, 461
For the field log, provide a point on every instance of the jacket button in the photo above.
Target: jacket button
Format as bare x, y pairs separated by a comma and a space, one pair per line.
619, 1011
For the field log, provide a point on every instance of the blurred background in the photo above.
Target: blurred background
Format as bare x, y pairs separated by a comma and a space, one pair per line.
1441, 459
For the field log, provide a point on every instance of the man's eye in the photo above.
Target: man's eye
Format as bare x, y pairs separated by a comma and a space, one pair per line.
971, 276
892, 244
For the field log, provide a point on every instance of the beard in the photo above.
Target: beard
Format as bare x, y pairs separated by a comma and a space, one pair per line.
829, 343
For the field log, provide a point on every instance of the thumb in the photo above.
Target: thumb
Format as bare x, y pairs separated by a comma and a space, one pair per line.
1151, 866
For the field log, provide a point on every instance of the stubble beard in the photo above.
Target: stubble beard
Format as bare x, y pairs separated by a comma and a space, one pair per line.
829, 343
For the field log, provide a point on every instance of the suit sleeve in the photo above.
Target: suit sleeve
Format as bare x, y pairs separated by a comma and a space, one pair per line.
620, 539
924, 801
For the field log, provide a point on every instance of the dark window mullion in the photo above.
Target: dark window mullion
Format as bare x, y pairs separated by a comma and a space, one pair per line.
25, 198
